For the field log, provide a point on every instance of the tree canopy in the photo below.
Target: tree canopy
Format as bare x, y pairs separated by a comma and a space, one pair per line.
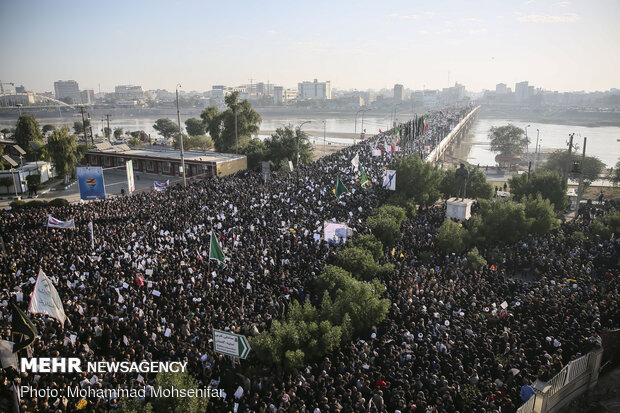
477, 185
508, 140
27, 130
417, 180
283, 145
195, 127
221, 125
548, 184
592, 166
166, 127
64, 151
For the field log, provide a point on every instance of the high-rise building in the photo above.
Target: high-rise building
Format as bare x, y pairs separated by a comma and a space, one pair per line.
278, 95
87, 97
315, 90
399, 93
128, 92
501, 89
522, 92
67, 89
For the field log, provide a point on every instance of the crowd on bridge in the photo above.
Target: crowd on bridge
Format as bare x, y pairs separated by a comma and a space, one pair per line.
454, 339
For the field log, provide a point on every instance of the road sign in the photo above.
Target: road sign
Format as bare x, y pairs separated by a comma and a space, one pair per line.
234, 345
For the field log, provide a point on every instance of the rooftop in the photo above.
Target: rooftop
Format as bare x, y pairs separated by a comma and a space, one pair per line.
123, 149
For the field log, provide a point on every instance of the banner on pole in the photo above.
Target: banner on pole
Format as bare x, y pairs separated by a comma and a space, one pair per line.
56, 223
90, 181
130, 183
389, 180
45, 299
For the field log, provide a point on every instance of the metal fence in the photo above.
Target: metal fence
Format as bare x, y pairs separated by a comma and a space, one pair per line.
572, 381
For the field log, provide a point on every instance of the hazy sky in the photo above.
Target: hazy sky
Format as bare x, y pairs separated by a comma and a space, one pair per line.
557, 45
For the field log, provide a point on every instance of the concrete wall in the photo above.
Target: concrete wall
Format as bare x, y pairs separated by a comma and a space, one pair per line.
232, 166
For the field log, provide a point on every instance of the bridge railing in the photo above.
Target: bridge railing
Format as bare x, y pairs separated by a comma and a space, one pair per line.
439, 149
577, 377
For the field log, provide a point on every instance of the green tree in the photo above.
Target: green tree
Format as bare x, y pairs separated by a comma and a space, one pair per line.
33, 182
360, 263
283, 145
417, 180
194, 127
6, 182
221, 125
452, 236
202, 142
385, 228
499, 221
477, 185
78, 126
475, 261
548, 184
135, 142
592, 166
166, 127
118, 132
167, 380
360, 301
64, 152
48, 128
540, 212
615, 174
508, 140
27, 130
370, 243
256, 152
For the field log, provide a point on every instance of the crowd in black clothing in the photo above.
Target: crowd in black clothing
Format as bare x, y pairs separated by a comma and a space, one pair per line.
449, 331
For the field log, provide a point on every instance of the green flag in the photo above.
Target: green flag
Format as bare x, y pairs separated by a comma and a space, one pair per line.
215, 250
396, 131
340, 188
363, 179
23, 328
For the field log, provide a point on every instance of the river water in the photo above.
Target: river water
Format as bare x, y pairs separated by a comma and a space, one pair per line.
602, 141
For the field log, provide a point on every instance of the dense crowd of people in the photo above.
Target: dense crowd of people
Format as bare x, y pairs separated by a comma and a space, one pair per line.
454, 339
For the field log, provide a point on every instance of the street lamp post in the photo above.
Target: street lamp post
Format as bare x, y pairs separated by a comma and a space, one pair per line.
298, 133
236, 134
536, 153
324, 127
527, 141
181, 138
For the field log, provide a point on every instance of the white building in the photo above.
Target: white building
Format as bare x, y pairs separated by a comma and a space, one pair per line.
128, 92
67, 89
399, 93
315, 90
522, 92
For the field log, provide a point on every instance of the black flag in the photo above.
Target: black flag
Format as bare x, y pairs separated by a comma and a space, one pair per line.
23, 327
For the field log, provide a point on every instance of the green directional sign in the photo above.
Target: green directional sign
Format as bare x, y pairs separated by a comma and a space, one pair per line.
231, 344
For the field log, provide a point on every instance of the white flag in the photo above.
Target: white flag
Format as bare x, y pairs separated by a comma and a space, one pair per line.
389, 180
356, 161
92, 235
45, 299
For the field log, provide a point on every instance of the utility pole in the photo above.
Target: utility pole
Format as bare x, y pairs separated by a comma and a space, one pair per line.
236, 134
251, 80
90, 128
569, 159
583, 158
536, 154
181, 139
109, 131
83, 125
324, 127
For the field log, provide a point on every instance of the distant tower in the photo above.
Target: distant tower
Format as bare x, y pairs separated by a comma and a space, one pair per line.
399, 93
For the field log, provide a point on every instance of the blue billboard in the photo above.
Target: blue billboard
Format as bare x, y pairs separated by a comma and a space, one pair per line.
90, 180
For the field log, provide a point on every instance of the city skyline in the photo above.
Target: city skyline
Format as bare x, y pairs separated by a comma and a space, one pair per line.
555, 45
